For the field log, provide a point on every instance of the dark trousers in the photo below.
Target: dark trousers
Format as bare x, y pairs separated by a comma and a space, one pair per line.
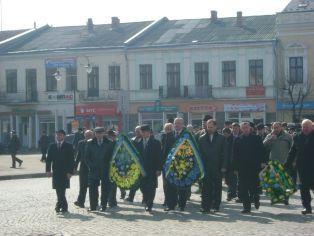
83, 179
15, 159
248, 188
132, 193
306, 195
164, 185
105, 186
176, 196
232, 183
148, 190
211, 192
61, 200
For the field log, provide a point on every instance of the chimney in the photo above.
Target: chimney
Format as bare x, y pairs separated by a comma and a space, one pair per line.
213, 16
239, 18
90, 25
35, 26
115, 22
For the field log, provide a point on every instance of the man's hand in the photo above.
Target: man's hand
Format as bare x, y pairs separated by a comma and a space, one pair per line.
48, 174
69, 175
158, 173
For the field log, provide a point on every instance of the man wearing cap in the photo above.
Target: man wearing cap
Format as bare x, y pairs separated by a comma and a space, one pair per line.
61, 158
150, 153
301, 156
83, 171
14, 146
98, 155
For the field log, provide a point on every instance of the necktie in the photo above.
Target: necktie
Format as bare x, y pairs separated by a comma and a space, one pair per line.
59, 146
145, 143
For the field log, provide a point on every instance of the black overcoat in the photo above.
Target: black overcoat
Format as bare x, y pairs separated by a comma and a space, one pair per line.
62, 163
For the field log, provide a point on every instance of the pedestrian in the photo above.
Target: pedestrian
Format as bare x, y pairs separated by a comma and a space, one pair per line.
136, 141
60, 160
98, 156
43, 144
278, 144
301, 156
233, 178
167, 141
177, 196
83, 171
150, 154
213, 148
248, 159
78, 136
14, 146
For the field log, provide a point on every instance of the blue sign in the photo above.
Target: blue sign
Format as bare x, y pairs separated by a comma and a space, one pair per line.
288, 106
60, 63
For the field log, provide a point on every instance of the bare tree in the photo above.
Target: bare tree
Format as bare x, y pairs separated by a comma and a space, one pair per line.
297, 92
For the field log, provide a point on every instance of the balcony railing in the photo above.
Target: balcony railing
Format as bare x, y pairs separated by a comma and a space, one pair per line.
19, 97
186, 91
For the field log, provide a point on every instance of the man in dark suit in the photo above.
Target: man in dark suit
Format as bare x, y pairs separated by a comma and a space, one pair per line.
98, 155
213, 148
175, 195
301, 156
61, 157
151, 158
83, 171
248, 159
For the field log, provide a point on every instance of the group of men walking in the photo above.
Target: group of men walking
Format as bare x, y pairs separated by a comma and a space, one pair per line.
237, 153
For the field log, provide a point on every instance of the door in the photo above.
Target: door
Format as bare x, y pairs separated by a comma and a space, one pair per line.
31, 85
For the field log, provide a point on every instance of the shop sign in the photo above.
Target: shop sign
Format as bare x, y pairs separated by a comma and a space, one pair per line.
202, 108
259, 107
60, 63
60, 97
288, 106
158, 108
92, 110
255, 91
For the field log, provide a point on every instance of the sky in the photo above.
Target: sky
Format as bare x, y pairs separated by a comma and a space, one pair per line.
21, 14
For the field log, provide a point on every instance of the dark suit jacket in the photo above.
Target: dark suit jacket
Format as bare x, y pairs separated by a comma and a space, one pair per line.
80, 157
214, 153
151, 159
62, 162
98, 158
167, 142
302, 151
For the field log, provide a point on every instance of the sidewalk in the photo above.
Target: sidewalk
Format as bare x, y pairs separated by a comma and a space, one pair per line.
31, 167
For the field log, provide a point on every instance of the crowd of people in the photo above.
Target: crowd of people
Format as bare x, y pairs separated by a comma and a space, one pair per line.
237, 153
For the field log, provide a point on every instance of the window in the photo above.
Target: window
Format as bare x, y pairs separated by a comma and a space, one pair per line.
93, 82
256, 72
11, 76
201, 74
31, 85
146, 76
71, 78
173, 79
296, 69
114, 77
51, 81
229, 73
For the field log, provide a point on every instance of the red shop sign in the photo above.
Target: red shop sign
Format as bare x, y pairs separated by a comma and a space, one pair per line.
87, 110
255, 91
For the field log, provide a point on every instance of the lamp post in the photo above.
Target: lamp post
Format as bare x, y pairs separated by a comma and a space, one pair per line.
58, 77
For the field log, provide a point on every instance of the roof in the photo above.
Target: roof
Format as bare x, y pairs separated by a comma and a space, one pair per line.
299, 6
78, 37
4, 35
223, 30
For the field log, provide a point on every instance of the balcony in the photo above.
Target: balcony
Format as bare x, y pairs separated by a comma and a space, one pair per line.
19, 97
186, 91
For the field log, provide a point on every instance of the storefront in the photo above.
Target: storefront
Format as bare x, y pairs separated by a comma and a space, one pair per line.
156, 116
196, 113
285, 110
92, 115
255, 113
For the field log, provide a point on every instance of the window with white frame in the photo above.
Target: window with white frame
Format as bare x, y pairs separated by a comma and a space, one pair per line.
296, 69
256, 72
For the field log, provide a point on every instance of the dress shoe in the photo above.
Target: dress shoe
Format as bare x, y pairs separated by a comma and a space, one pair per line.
169, 209
57, 210
306, 211
20, 163
13, 167
79, 204
286, 202
148, 209
257, 204
103, 209
216, 210
245, 211
204, 211
91, 209
64, 211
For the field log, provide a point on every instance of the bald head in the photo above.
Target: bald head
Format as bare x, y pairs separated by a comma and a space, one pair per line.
88, 134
